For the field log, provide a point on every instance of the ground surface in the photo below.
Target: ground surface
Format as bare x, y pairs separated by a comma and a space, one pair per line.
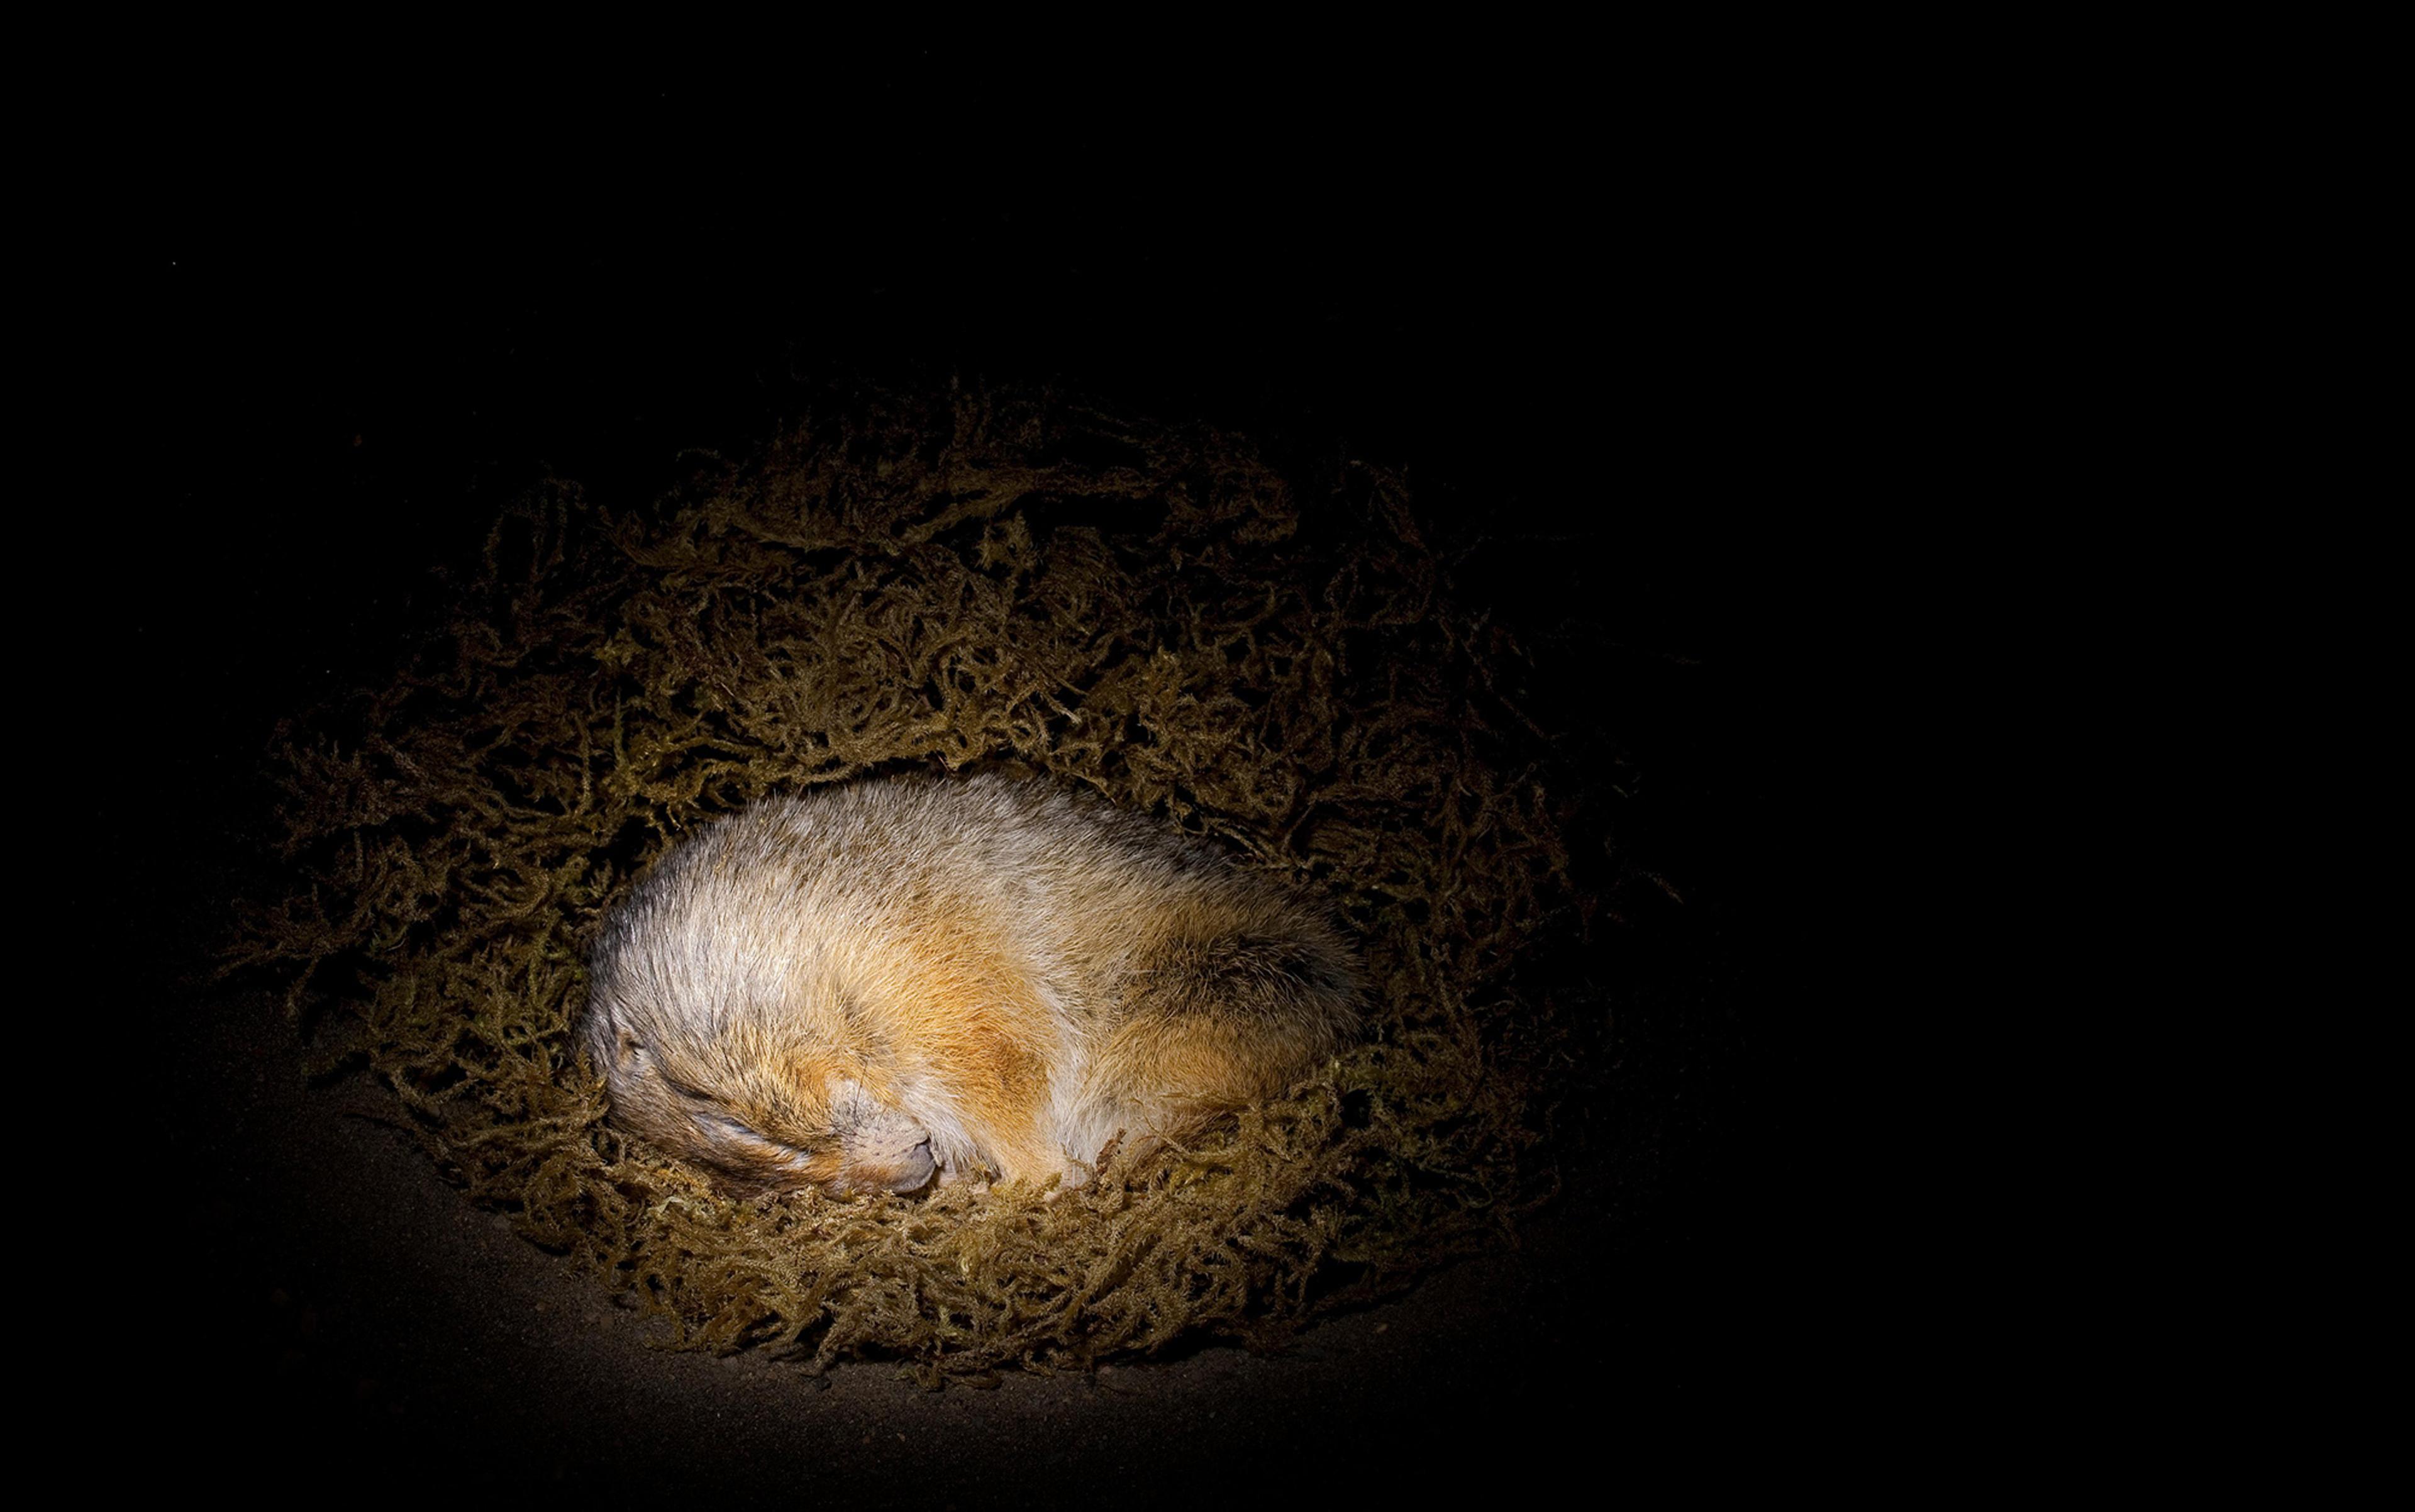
349, 1317
352, 1312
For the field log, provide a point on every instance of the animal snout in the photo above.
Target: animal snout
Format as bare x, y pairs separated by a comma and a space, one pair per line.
914, 1169
906, 1170
889, 1152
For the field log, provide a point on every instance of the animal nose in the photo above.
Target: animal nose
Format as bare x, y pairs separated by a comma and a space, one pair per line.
914, 1169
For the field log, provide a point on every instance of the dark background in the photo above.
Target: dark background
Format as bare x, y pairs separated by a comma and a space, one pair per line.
1613, 347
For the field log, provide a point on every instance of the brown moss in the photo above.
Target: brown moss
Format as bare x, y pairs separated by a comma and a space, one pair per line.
1144, 610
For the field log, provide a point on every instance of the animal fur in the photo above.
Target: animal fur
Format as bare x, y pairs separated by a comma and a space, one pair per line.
882, 984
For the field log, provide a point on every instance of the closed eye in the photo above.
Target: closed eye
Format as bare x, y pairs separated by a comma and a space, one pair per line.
722, 1128
710, 1115
722, 1125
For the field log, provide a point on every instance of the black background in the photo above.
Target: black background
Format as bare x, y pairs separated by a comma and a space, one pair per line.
1615, 337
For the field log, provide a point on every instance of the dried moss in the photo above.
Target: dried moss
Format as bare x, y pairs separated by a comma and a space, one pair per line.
1144, 610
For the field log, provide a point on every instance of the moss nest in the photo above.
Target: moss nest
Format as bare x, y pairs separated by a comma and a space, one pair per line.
1148, 611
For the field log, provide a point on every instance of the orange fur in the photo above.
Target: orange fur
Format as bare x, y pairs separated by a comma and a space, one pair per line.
894, 982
